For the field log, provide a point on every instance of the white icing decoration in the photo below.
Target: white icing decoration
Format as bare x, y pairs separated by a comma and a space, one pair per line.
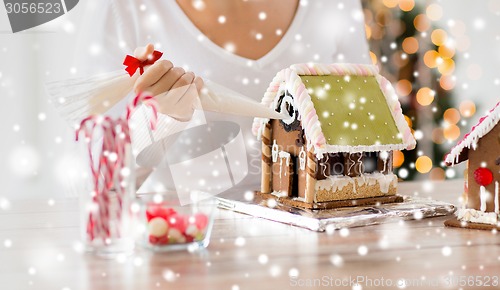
477, 132
284, 155
384, 155
496, 197
360, 163
302, 159
323, 165
475, 216
338, 182
484, 196
351, 163
260, 132
279, 194
274, 153
288, 99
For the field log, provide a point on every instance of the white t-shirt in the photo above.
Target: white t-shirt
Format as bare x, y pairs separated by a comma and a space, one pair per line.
324, 31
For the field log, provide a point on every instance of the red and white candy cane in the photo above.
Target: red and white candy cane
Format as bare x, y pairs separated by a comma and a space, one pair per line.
111, 160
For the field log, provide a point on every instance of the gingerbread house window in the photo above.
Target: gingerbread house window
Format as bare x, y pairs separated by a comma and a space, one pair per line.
370, 162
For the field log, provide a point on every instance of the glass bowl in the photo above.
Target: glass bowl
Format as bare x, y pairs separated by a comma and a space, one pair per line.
164, 224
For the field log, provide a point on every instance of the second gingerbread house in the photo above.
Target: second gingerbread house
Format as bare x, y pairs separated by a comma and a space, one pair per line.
481, 148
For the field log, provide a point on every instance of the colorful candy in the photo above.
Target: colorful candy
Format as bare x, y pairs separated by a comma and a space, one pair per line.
167, 226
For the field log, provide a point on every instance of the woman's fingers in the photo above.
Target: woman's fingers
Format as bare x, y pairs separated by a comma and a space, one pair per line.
178, 89
185, 106
143, 52
198, 82
166, 82
152, 75
178, 102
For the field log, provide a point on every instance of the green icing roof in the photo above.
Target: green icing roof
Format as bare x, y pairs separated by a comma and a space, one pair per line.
352, 110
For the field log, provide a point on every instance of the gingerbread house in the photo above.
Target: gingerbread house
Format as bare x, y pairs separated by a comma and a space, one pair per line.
481, 148
335, 146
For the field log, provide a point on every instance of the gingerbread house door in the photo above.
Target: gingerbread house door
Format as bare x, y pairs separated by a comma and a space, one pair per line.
283, 174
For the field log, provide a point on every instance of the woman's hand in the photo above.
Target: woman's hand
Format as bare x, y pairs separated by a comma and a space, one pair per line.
176, 90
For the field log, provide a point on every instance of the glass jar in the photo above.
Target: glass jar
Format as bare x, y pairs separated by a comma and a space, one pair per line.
164, 224
105, 217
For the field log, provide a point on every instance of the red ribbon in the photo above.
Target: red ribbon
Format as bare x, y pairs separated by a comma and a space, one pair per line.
133, 63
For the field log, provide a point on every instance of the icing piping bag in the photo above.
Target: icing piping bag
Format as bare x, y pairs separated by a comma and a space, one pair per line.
217, 98
76, 99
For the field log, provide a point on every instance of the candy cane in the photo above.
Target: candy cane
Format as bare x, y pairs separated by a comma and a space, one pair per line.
104, 173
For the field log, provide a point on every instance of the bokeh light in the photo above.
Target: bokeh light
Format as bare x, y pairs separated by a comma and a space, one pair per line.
451, 132
403, 87
410, 45
408, 121
397, 158
437, 173
446, 51
439, 37
373, 57
447, 82
452, 116
391, 3
417, 48
421, 23
423, 164
430, 58
434, 12
406, 5
446, 66
467, 108
368, 30
425, 96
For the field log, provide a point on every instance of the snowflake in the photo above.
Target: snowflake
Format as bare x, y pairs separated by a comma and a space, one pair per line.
344, 232
275, 271
403, 173
293, 272
337, 260
7, 243
418, 215
249, 195
32, 270
240, 241
263, 259
198, 4
169, 275
446, 251
229, 46
479, 24
362, 250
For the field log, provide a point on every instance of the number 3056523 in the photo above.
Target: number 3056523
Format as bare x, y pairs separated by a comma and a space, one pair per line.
33, 8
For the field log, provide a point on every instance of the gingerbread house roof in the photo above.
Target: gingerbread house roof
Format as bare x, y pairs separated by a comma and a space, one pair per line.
460, 152
342, 108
